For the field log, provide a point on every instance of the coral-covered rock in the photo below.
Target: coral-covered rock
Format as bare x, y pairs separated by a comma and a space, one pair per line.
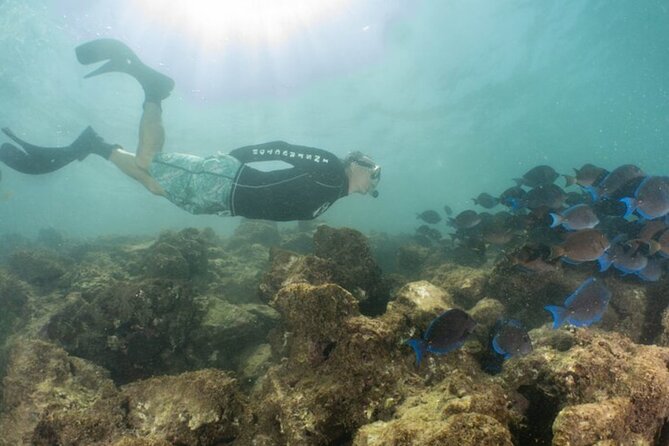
355, 267
236, 277
339, 371
465, 284
418, 302
254, 362
344, 370
663, 338
14, 296
341, 256
314, 316
52, 398
250, 232
411, 258
288, 268
134, 329
12, 242
586, 392
181, 255
226, 330
486, 312
39, 268
466, 429
586, 424
194, 408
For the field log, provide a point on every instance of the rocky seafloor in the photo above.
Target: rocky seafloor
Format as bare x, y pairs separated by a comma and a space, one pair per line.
296, 337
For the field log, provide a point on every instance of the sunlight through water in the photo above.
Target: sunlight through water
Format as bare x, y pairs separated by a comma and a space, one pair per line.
213, 23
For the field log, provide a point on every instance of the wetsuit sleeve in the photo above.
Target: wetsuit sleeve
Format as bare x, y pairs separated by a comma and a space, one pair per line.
310, 159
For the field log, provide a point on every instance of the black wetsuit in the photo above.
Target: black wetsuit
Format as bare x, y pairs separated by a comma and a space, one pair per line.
302, 192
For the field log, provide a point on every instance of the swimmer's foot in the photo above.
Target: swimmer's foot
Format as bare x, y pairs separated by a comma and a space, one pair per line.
35, 159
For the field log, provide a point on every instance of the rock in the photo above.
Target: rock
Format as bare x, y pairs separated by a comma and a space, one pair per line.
226, 330
53, 398
14, 296
181, 255
291, 268
419, 302
459, 409
355, 268
411, 258
236, 277
50, 238
465, 284
255, 361
586, 424
193, 408
12, 242
315, 315
339, 367
250, 232
39, 268
486, 312
468, 429
603, 378
341, 256
663, 338
133, 329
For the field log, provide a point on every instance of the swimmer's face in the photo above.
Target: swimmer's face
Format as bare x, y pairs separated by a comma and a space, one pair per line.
365, 177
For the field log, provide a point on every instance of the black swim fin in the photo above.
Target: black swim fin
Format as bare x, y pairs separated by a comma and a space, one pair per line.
38, 160
120, 58
24, 162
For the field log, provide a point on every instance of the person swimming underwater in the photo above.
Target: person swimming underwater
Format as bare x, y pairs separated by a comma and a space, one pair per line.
223, 184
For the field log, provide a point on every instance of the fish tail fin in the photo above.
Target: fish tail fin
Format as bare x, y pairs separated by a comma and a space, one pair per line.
653, 247
516, 203
556, 252
593, 192
604, 262
630, 206
569, 180
499, 350
558, 314
418, 346
475, 201
557, 220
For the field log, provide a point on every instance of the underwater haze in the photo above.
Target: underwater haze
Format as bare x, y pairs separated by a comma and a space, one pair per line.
487, 262
451, 97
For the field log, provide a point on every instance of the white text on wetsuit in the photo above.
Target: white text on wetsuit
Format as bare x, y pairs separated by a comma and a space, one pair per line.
291, 154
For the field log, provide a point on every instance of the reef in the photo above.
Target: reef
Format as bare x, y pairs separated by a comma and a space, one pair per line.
297, 337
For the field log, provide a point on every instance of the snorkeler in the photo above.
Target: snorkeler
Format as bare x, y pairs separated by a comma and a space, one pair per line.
220, 184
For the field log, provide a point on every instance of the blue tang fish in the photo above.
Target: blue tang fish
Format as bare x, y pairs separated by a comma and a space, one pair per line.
580, 216
615, 180
446, 333
651, 198
510, 339
652, 272
583, 307
626, 258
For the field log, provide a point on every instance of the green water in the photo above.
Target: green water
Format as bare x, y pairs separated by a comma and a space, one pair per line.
451, 97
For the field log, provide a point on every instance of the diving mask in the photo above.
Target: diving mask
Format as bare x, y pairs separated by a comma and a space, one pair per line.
375, 173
